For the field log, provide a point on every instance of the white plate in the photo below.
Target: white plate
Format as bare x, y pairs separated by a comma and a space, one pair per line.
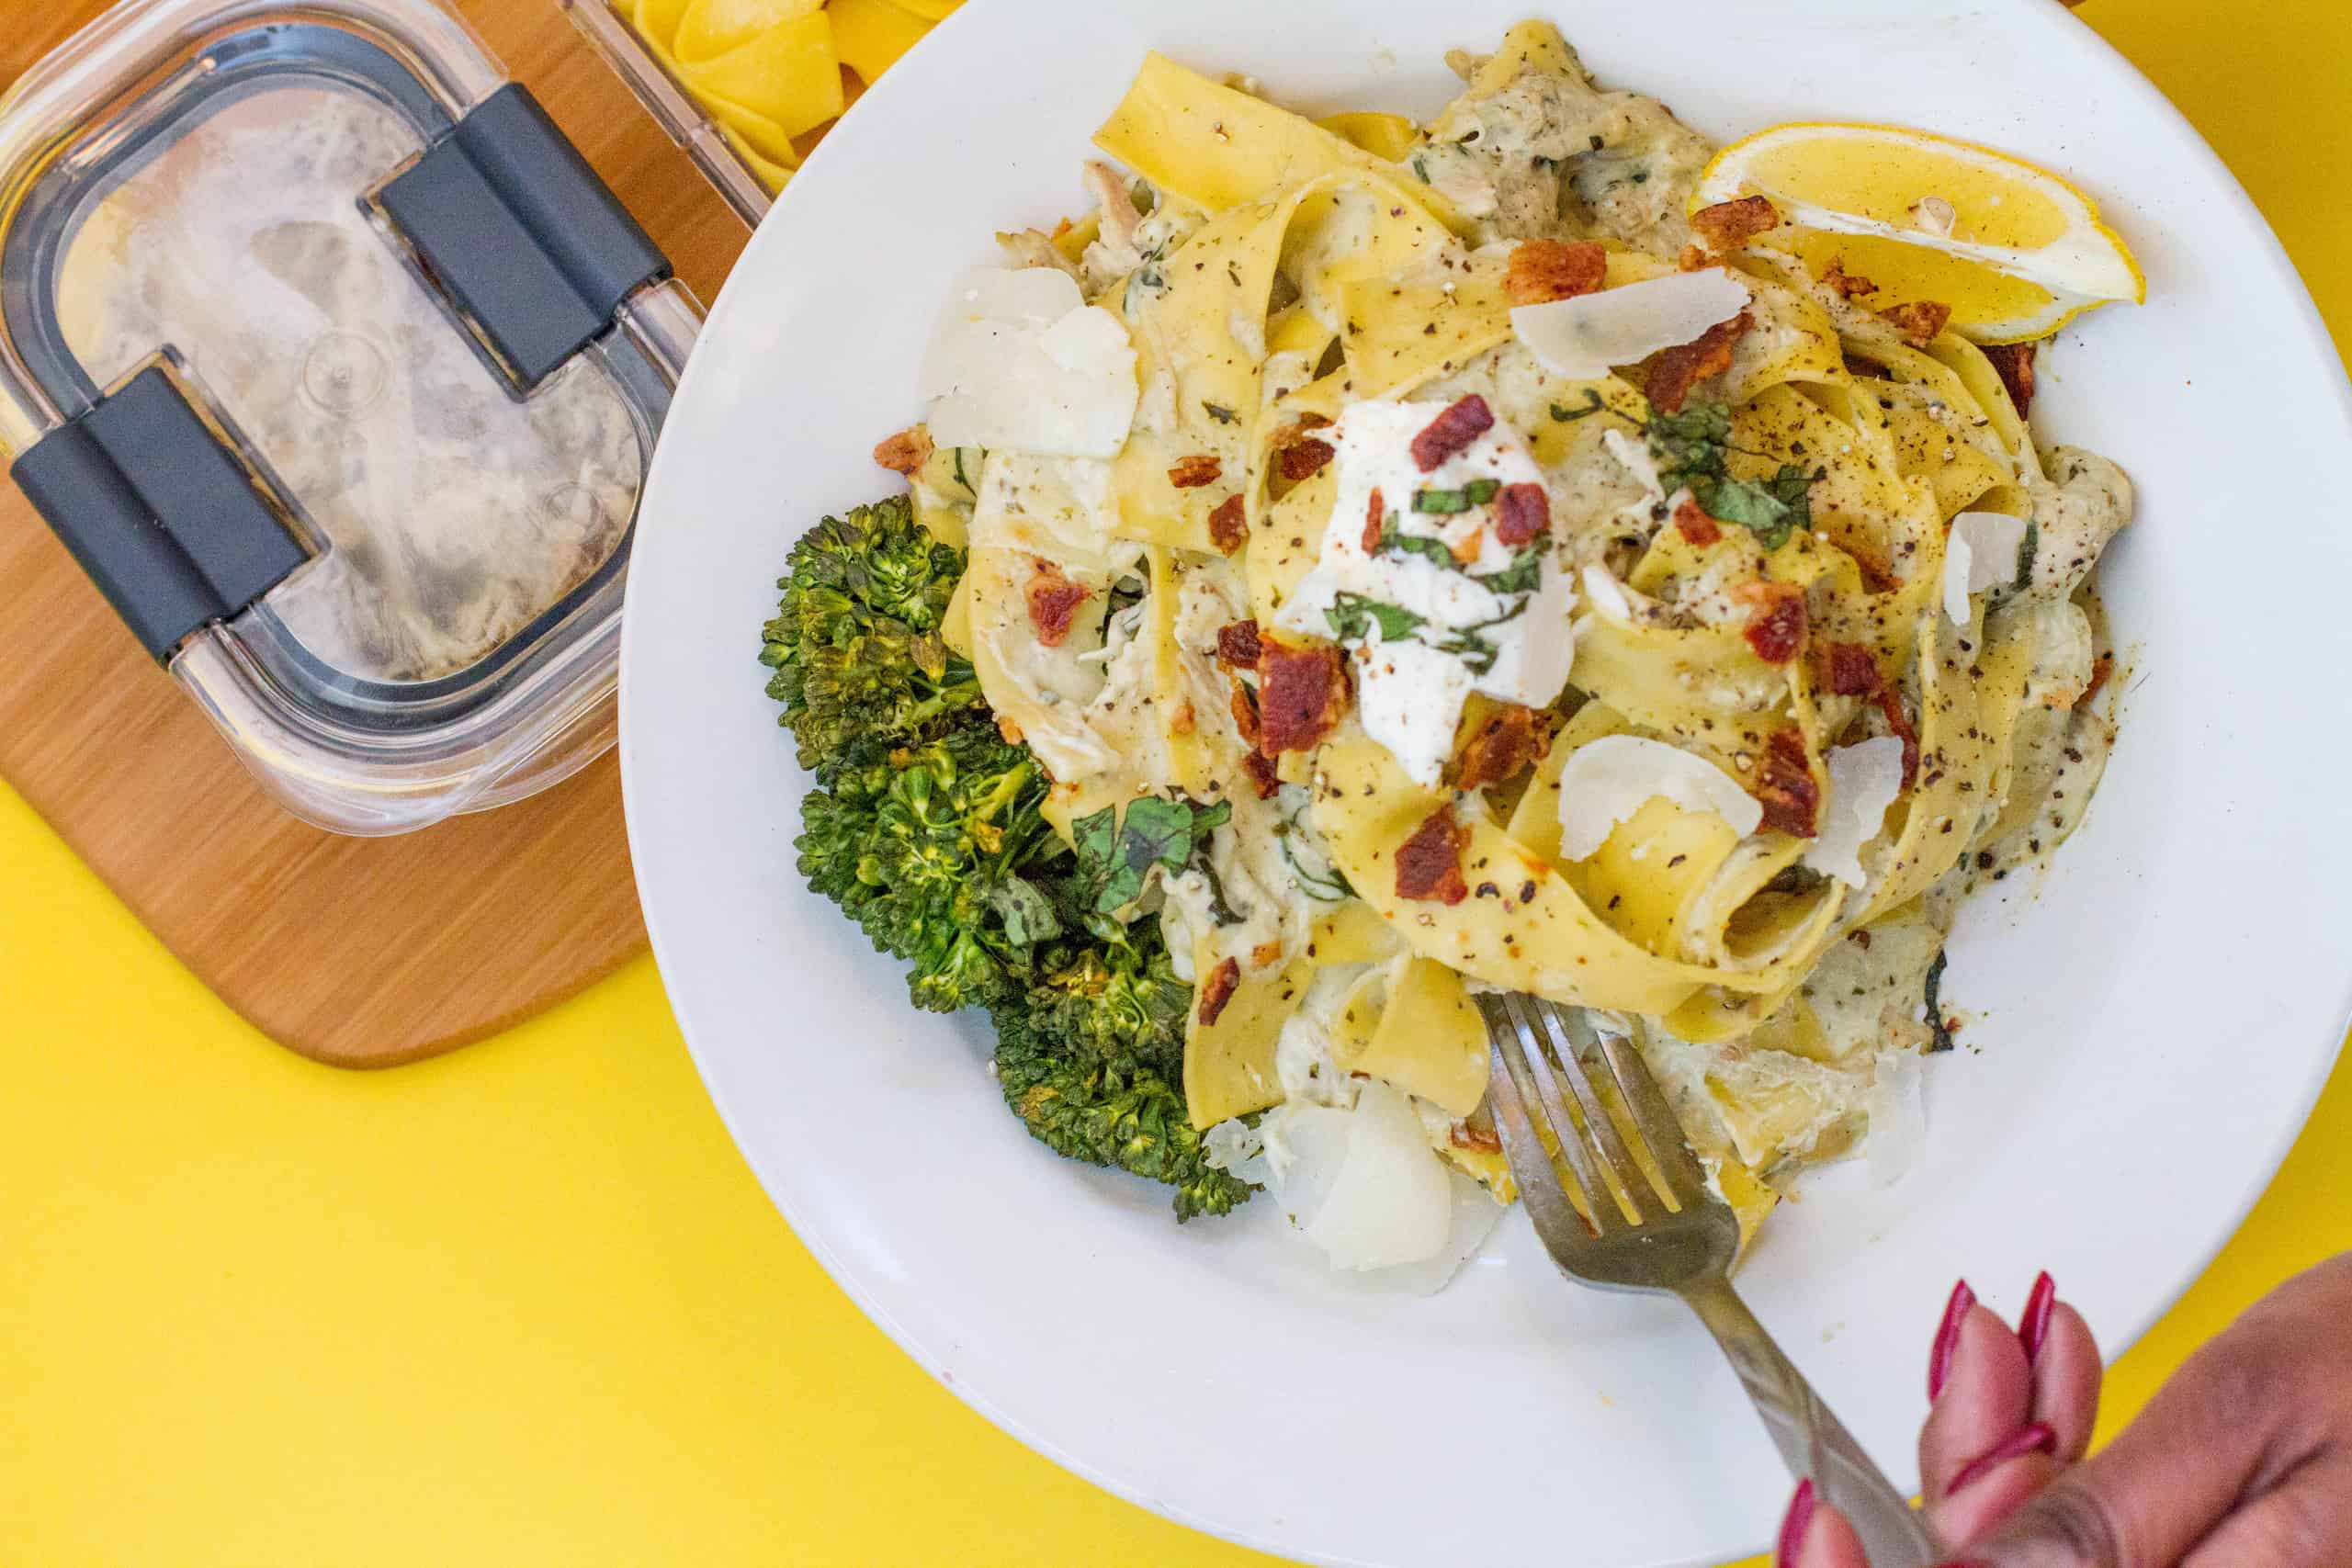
2151, 1022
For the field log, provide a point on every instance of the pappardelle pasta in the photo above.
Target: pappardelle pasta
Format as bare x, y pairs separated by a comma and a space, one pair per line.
1426, 558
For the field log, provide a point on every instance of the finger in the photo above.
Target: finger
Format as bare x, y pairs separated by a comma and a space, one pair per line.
2155, 1491
1987, 1396
2305, 1523
1995, 1487
2067, 1376
1818, 1537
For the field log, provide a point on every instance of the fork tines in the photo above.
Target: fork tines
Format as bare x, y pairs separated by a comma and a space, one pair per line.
1617, 1135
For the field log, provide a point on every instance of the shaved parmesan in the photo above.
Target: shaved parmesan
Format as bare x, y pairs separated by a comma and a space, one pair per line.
1608, 780
1363, 1183
1019, 362
1863, 781
1584, 338
1980, 553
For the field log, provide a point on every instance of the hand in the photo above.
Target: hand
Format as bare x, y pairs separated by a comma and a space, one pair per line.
2243, 1459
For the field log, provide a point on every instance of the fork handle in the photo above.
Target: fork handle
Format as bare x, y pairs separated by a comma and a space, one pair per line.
1813, 1441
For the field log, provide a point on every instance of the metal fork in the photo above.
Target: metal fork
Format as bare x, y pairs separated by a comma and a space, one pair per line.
1647, 1222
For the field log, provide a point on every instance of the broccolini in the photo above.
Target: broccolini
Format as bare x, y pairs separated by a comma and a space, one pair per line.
926, 828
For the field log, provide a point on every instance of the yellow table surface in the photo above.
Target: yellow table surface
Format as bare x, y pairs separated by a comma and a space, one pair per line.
526, 1305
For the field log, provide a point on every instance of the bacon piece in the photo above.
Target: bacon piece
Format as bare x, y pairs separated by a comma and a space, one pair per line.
1263, 776
1694, 258
1244, 703
1847, 670
1696, 525
1375, 522
1229, 525
1429, 864
1301, 697
1524, 514
1507, 741
1674, 371
1053, 599
1303, 460
1777, 628
1918, 320
906, 451
1785, 784
1727, 225
1217, 988
2014, 361
1236, 646
1876, 576
1846, 285
1890, 703
1463, 420
1544, 270
1193, 472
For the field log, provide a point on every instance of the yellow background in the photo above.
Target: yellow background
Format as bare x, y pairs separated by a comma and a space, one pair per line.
525, 1305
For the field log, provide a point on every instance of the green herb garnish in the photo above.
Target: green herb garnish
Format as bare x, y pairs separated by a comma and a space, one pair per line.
1692, 447
2026, 547
1394, 540
1114, 856
1352, 614
1523, 575
1446, 503
1593, 404
1219, 412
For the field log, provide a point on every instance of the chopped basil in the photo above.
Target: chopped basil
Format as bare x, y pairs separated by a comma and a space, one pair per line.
1114, 857
1446, 503
2026, 548
1219, 412
1352, 616
1941, 1034
1394, 540
1691, 448
1317, 877
1027, 913
1593, 405
1523, 575
963, 478
1421, 169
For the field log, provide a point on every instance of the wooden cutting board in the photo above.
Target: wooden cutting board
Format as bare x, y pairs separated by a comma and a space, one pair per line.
357, 951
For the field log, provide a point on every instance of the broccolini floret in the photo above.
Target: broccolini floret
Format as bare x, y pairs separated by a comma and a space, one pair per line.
926, 828
1116, 1112
856, 642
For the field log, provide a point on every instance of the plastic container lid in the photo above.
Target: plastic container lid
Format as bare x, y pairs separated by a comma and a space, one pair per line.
340, 373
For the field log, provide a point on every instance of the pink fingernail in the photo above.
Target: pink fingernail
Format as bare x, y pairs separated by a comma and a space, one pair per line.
1948, 1339
2040, 1438
1793, 1525
2033, 1325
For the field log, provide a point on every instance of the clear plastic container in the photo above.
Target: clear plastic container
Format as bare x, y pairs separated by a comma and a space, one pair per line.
341, 375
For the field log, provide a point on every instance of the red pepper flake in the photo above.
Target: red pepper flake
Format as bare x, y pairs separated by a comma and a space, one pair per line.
1236, 646
1263, 776
1375, 522
1847, 670
1674, 371
1728, 225
1301, 697
1696, 525
1785, 784
906, 451
1191, 473
1053, 599
1229, 525
1303, 460
1544, 270
1776, 630
1429, 864
2014, 362
1507, 742
1890, 703
1464, 420
1524, 513
1918, 320
1217, 990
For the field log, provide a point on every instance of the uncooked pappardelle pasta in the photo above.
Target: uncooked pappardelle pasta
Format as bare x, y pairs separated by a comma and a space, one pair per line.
1362, 562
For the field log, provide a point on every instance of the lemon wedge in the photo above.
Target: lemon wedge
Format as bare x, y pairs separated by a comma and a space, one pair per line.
2015, 251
